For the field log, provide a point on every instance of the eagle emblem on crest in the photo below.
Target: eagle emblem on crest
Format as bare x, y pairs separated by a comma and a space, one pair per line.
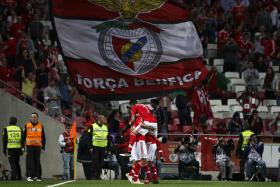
127, 44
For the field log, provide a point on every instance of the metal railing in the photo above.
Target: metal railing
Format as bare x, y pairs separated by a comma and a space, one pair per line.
35, 103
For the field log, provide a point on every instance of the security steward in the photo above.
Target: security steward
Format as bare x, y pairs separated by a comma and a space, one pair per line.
13, 143
243, 141
34, 138
98, 139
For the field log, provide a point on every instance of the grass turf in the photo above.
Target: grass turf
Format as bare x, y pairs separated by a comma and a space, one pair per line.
124, 183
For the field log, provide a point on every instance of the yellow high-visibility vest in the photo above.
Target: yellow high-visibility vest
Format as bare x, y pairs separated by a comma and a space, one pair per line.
246, 136
14, 137
99, 135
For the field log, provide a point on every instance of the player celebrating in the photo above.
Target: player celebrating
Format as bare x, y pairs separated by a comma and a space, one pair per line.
141, 119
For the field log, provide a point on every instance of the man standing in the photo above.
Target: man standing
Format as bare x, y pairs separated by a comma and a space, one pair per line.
67, 150
34, 137
13, 142
161, 115
243, 142
98, 139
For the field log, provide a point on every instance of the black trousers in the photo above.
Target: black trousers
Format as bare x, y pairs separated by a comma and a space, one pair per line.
33, 163
182, 165
14, 158
98, 155
87, 170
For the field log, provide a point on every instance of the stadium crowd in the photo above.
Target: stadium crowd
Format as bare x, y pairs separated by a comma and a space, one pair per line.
246, 34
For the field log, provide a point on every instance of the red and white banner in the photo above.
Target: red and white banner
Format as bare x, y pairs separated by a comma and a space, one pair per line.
124, 49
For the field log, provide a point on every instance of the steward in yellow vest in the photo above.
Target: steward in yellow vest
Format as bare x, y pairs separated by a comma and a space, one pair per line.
98, 140
242, 143
13, 143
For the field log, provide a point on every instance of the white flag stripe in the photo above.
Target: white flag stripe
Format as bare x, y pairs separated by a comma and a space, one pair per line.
79, 40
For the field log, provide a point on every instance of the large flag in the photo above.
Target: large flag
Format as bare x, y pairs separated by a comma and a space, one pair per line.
120, 49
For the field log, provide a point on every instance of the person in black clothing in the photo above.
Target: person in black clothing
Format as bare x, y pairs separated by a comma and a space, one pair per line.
13, 143
113, 122
42, 81
161, 115
184, 110
84, 155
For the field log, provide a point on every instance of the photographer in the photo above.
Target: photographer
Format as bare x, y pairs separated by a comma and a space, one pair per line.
253, 153
186, 150
222, 153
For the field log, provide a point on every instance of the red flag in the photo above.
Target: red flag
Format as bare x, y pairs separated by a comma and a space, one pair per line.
131, 50
73, 132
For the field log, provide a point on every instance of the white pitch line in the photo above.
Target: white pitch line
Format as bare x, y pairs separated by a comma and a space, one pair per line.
58, 184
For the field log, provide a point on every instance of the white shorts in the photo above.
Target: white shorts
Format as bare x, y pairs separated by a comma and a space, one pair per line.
152, 149
139, 151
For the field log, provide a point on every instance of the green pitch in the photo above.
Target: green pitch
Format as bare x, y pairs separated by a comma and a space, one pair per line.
124, 183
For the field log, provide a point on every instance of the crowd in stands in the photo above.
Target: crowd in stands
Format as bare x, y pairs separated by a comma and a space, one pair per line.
247, 36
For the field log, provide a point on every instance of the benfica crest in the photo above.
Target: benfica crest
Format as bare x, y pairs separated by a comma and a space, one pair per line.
127, 44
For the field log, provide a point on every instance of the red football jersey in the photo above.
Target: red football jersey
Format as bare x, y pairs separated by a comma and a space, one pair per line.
144, 112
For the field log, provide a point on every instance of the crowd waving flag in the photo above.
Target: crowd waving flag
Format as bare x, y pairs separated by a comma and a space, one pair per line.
120, 49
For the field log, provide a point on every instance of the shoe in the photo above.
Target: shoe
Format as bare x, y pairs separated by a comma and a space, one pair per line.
38, 179
29, 179
137, 182
155, 182
130, 178
125, 154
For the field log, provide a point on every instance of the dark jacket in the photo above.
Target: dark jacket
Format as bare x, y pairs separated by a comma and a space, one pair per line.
84, 154
162, 116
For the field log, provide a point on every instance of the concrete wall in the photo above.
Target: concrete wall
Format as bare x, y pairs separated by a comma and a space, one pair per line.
51, 159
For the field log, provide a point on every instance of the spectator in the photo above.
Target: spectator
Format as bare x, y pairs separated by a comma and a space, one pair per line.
270, 84
230, 54
66, 144
186, 150
253, 153
235, 125
251, 76
28, 85
249, 101
63, 86
41, 83
36, 28
35, 141
26, 62
161, 115
256, 123
89, 119
165, 102
274, 125
203, 114
222, 154
52, 99
184, 110
238, 13
221, 127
